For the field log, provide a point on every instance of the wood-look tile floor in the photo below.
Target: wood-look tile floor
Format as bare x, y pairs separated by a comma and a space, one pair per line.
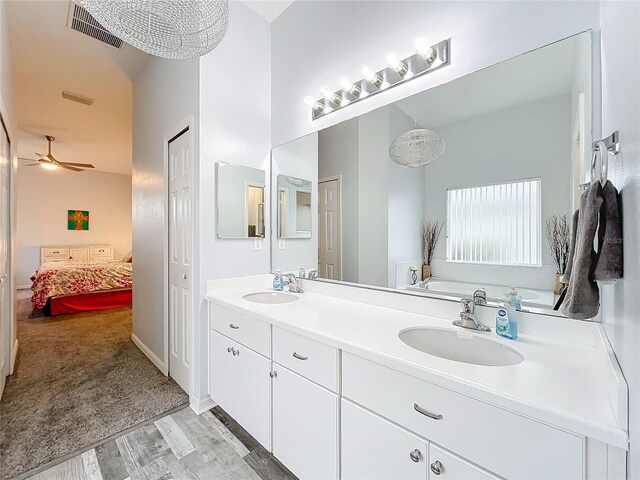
181, 445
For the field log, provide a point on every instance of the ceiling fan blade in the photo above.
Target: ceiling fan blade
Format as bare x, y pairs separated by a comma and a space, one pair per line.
62, 165
73, 164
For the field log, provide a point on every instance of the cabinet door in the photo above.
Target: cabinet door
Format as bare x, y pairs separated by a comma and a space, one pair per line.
305, 426
79, 254
446, 466
253, 394
222, 371
375, 449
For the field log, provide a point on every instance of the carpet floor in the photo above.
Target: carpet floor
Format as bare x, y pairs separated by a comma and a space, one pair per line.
78, 379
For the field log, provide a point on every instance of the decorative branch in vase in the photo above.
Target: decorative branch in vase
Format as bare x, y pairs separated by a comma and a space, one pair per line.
558, 233
430, 235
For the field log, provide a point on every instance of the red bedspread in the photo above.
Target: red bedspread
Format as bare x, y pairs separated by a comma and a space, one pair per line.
73, 278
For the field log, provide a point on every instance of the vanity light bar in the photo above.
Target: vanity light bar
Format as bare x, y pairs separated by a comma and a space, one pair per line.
426, 59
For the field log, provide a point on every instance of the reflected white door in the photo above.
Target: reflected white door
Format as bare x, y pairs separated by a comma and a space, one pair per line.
5, 252
180, 315
329, 243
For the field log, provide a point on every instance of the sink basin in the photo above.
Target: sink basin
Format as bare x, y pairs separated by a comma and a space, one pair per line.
460, 346
270, 297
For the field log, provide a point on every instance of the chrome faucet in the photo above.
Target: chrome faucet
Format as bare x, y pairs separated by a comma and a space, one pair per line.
468, 318
313, 274
480, 296
292, 282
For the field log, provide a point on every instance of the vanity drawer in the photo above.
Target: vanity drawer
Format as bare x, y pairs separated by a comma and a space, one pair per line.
246, 330
312, 360
56, 252
503, 442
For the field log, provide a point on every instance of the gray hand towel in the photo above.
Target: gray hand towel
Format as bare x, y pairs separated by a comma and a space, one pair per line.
609, 258
572, 249
583, 297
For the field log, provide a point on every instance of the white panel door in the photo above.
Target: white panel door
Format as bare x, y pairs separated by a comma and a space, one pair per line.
375, 449
305, 426
253, 394
180, 164
329, 255
222, 371
5, 253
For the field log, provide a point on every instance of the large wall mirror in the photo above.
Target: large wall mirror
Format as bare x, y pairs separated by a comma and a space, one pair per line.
240, 201
495, 163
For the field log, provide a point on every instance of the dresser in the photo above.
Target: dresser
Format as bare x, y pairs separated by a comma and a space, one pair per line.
76, 253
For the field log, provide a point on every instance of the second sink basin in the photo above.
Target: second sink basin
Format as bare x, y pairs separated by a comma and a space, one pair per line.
460, 346
270, 297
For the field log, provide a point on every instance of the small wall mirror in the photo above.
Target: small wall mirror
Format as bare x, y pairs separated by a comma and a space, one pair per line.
294, 207
240, 201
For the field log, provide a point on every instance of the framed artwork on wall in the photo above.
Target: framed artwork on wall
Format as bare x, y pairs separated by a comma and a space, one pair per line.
78, 220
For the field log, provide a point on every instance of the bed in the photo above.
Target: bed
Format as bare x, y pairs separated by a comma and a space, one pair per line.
72, 287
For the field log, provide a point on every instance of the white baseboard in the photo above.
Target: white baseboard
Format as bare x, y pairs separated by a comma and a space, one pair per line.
201, 406
14, 355
150, 355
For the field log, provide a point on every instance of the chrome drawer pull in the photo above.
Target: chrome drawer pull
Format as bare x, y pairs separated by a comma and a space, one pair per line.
299, 357
436, 467
235, 327
273, 374
229, 350
421, 410
415, 455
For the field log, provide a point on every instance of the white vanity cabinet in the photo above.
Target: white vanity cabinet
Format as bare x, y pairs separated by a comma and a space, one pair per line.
503, 442
305, 405
240, 382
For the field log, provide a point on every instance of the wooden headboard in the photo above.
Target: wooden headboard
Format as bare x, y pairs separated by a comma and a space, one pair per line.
77, 253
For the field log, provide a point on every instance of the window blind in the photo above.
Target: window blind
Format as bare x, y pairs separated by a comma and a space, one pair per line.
495, 224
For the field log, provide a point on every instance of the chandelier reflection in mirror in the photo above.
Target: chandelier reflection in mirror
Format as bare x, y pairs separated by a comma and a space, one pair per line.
426, 59
416, 148
170, 29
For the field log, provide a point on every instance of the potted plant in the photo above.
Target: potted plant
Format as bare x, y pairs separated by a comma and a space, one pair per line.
430, 234
558, 233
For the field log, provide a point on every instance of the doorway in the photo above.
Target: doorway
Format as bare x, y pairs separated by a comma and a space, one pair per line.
180, 236
330, 226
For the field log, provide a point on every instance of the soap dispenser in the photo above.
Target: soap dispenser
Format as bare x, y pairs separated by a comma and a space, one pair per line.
278, 281
514, 298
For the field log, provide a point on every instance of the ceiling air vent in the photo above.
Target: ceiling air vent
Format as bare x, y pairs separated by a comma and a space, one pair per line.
82, 21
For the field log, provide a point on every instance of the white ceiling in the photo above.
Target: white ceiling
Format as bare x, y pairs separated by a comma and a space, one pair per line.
543, 73
268, 9
48, 57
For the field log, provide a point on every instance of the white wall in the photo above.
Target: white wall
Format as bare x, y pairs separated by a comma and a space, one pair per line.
296, 159
164, 94
235, 127
406, 206
43, 198
373, 197
338, 155
526, 141
305, 57
620, 38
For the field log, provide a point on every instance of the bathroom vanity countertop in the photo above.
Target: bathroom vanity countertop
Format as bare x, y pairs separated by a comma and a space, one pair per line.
560, 383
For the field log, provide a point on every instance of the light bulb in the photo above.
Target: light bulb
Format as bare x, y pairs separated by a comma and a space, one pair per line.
329, 95
394, 62
425, 50
371, 76
350, 87
48, 166
310, 102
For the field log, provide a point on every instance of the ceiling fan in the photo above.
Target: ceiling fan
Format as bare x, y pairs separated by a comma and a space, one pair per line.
50, 162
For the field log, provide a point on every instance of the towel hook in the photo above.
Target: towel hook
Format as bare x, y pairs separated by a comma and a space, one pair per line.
600, 150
